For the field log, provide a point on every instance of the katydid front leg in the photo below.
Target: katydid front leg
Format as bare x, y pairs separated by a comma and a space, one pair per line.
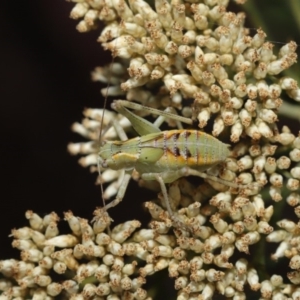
121, 191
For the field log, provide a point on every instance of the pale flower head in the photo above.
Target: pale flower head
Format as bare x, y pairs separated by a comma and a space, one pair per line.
199, 59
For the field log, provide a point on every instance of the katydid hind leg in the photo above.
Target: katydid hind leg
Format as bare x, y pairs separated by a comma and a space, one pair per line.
166, 199
143, 126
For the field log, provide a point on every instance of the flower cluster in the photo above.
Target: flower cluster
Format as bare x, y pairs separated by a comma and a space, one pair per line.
92, 264
171, 55
87, 256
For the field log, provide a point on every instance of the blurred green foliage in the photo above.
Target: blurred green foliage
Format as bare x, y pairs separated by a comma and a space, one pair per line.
281, 22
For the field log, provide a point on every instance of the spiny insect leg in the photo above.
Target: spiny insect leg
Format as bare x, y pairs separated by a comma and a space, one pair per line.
192, 172
169, 110
121, 192
249, 189
172, 216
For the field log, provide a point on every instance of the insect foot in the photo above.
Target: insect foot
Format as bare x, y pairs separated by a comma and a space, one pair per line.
101, 219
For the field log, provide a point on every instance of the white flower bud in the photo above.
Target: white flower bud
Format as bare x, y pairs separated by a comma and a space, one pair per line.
264, 227
36, 222
235, 103
260, 72
296, 142
221, 260
218, 126
259, 163
270, 165
59, 267
144, 234
54, 289
294, 277
266, 52
241, 90
289, 226
253, 132
275, 194
297, 211
276, 280
229, 116
220, 225
33, 255
101, 272
122, 231
212, 242
296, 293
196, 245
126, 283
293, 199
161, 264
210, 42
294, 94
129, 269
214, 107
266, 289
203, 117
239, 78
148, 269
115, 278
79, 10
42, 280
46, 262
23, 244
63, 241
230, 292
208, 291
245, 163
258, 39
276, 180
213, 275
295, 155
103, 289
227, 60
236, 131
185, 51
241, 266
207, 257
295, 172
253, 279
287, 83
115, 248
245, 117
201, 21
70, 286
292, 184
238, 227
102, 239
157, 73
181, 282
208, 78
277, 236
273, 103
288, 48
252, 91
165, 251
268, 115
225, 96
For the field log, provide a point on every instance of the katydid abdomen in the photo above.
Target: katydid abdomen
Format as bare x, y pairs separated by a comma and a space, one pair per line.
165, 151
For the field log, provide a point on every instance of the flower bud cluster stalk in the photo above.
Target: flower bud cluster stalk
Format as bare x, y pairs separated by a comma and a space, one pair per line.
171, 54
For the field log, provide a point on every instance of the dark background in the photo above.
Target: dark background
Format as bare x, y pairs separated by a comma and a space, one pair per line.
45, 84
45, 67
